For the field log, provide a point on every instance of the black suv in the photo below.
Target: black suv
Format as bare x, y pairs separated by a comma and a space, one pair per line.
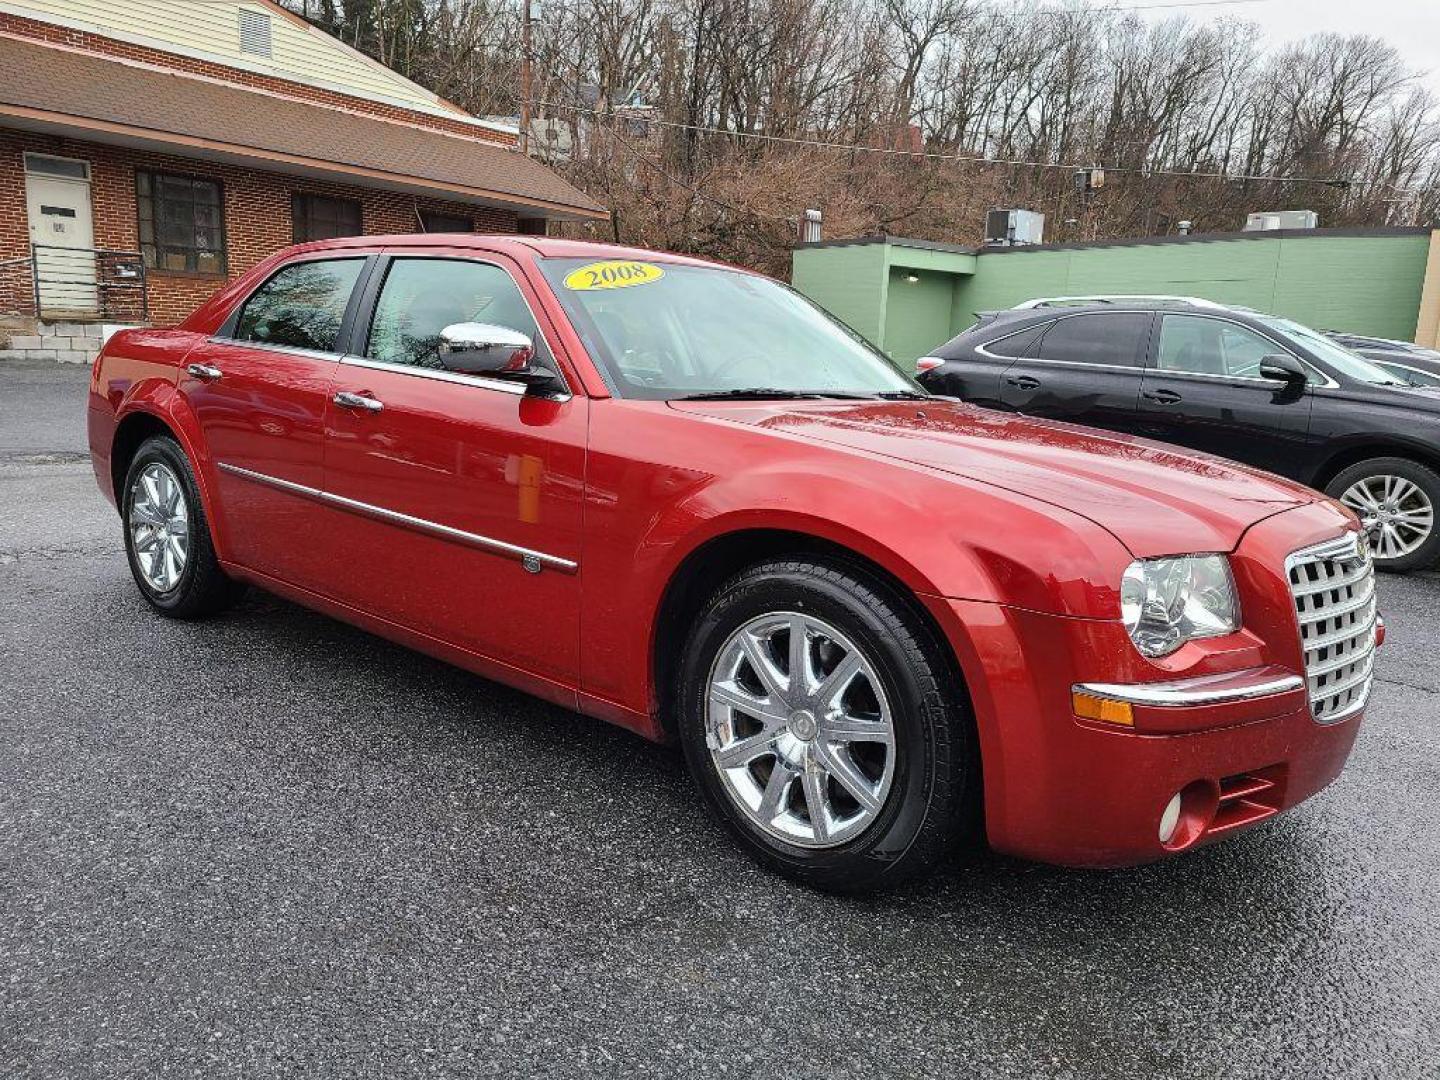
1234, 382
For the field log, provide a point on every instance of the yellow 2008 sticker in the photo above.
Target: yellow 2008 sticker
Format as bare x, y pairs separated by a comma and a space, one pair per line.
612, 274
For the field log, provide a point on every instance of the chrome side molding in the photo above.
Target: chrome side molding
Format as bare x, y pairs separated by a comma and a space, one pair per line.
530, 559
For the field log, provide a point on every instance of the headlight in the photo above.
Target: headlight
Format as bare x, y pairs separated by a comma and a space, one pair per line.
1167, 602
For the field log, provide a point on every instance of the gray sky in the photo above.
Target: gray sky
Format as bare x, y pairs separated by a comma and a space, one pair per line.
1412, 26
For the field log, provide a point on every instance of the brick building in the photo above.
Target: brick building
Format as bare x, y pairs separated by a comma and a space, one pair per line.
152, 149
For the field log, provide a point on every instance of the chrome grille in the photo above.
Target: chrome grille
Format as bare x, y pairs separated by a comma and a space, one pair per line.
1334, 589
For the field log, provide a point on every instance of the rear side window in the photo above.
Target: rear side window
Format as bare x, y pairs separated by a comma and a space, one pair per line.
302, 306
1097, 339
1016, 344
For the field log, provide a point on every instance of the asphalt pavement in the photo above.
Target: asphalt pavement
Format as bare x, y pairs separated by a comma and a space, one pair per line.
272, 845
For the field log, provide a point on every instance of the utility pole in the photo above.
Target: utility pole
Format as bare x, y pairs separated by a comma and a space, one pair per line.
525, 78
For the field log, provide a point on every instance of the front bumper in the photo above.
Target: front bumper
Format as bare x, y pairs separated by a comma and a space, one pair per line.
1226, 724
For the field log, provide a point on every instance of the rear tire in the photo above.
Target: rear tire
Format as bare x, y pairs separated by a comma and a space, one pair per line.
766, 751
167, 537
1398, 500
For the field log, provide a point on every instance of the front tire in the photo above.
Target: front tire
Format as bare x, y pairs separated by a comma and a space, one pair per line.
1397, 500
821, 721
167, 537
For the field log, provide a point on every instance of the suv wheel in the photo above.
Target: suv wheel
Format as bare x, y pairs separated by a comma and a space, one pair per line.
1396, 499
820, 721
167, 537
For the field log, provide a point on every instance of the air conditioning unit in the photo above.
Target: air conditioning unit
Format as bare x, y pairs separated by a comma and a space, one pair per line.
1014, 228
1282, 219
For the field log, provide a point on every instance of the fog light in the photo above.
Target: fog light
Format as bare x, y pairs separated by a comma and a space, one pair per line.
1169, 819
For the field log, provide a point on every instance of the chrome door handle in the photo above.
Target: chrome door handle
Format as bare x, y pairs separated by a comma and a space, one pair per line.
346, 400
203, 372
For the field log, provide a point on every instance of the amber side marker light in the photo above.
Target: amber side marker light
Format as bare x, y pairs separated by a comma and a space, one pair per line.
1090, 707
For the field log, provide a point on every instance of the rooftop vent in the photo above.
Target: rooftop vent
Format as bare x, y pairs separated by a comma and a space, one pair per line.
1013, 228
255, 33
1282, 219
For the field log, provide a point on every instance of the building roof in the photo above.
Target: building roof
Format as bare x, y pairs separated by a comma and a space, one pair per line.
1126, 241
85, 95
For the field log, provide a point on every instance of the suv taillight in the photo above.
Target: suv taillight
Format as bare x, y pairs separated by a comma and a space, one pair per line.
927, 363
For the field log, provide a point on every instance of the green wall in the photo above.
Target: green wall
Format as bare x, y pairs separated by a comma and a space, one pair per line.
848, 281
1364, 284
1368, 283
917, 313
868, 286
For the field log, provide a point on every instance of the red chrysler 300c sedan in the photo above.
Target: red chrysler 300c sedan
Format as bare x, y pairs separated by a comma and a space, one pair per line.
679, 497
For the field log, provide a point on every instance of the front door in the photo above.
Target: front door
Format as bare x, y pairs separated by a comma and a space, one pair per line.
461, 495
1202, 390
259, 389
1085, 369
62, 235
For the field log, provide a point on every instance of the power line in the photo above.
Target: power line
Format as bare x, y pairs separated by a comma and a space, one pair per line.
963, 159
1042, 13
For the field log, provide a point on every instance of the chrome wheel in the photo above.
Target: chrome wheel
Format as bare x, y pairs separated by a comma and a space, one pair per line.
159, 525
799, 729
1396, 512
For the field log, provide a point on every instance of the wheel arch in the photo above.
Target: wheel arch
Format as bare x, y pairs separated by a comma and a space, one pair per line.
1355, 453
130, 434
159, 410
711, 563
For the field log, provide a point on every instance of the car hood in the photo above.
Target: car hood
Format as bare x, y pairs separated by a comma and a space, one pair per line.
1155, 499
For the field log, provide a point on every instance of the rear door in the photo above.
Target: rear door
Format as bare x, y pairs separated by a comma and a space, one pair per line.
1085, 368
974, 363
259, 389
1202, 389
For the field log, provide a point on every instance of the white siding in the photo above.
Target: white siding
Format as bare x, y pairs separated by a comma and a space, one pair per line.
210, 29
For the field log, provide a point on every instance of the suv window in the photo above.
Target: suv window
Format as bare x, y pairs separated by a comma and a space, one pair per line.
1099, 338
301, 306
423, 296
1205, 346
1016, 344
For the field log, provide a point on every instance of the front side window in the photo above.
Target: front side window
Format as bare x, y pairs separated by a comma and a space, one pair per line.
182, 222
421, 297
317, 217
666, 330
1203, 346
1113, 339
301, 306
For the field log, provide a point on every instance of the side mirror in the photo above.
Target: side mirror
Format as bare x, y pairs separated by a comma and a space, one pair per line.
1282, 367
485, 349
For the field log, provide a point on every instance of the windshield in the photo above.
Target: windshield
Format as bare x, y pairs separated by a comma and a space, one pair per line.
665, 331
1350, 364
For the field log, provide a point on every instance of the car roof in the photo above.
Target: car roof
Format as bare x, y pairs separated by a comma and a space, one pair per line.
544, 247
1031, 314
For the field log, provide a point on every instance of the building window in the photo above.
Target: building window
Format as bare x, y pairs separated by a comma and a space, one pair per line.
182, 222
434, 222
319, 218
66, 168
254, 33
531, 226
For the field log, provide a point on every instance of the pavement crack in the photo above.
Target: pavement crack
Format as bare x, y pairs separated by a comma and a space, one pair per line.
15, 555
1408, 685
